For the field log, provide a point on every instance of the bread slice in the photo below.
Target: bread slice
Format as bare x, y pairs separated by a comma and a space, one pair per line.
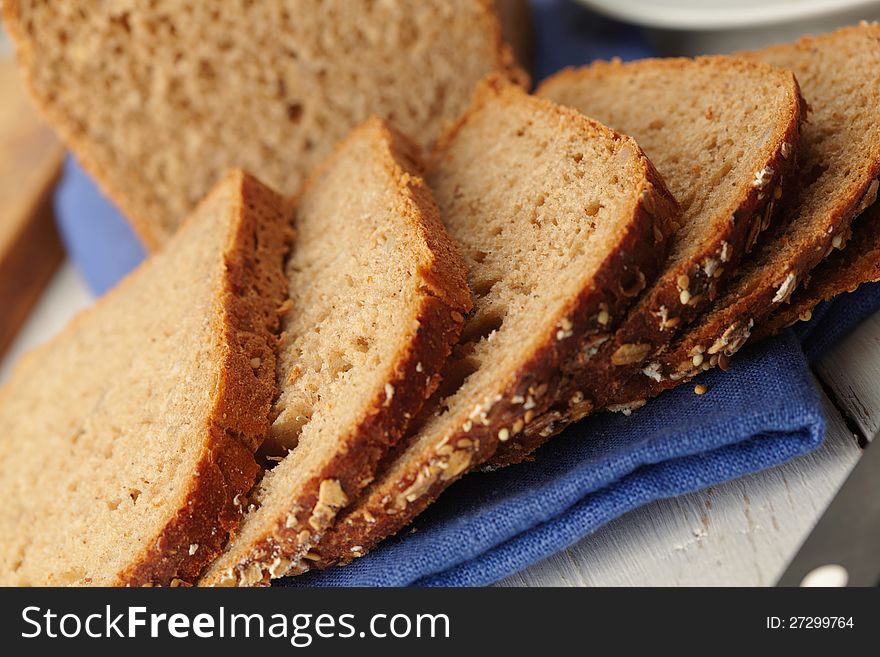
839, 162
379, 294
557, 215
842, 271
158, 99
723, 133
126, 438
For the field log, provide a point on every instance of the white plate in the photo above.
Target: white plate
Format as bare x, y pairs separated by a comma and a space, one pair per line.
723, 14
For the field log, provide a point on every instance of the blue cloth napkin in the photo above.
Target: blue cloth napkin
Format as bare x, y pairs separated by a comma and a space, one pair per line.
99, 240
763, 412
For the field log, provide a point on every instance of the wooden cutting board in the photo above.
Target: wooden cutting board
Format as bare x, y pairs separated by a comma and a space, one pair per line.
30, 163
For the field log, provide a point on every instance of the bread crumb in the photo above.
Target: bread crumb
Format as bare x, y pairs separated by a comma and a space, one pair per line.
700, 389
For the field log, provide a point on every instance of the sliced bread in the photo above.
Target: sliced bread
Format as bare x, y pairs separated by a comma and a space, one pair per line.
723, 133
159, 98
125, 439
557, 215
838, 164
842, 271
378, 297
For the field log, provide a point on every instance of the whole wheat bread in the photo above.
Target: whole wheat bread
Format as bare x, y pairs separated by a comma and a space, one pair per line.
723, 133
842, 271
560, 219
126, 438
839, 161
158, 99
378, 296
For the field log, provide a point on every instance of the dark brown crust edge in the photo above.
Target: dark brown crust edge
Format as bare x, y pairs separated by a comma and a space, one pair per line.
597, 381
440, 317
570, 399
381, 428
528, 393
722, 332
647, 329
755, 215
254, 288
725, 328
842, 271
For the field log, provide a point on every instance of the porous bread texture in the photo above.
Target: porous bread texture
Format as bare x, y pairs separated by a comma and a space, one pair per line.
159, 98
839, 160
842, 271
723, 133
125, 439
378, 297
558, 218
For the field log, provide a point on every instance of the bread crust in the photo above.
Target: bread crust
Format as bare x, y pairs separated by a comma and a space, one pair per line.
149, 232
728, 325
842, 271
661, 313
687, 287
246, 322
385, 509
723, 331
413, 377
254, 288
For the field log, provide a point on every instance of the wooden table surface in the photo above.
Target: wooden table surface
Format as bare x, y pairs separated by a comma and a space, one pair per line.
737, 534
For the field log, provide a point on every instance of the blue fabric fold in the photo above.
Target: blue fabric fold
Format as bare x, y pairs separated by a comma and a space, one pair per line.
763, 412
98, 239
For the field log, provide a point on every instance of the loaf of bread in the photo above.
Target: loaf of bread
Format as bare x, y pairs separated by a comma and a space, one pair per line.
157, 99
562, 222
126, 439
378, 296
839, 162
